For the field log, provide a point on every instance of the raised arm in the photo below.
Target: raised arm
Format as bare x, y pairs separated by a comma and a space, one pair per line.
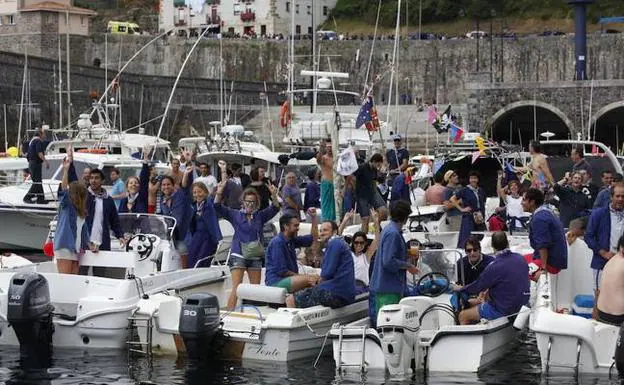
67, 164
499, 187
373, 246
345, 221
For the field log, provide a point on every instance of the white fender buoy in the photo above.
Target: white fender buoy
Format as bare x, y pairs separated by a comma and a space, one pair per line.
522, 319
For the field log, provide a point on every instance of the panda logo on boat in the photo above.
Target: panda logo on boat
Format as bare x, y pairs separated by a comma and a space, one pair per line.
142, 244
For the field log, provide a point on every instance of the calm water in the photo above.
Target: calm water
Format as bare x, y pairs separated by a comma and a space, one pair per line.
114, 367
521, 366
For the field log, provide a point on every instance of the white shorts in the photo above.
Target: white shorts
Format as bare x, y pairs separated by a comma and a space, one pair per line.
65, 254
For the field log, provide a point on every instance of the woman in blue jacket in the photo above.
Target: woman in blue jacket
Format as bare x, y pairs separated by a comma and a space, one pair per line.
204, 233
136, 199
72, 234
471, 202
176, 202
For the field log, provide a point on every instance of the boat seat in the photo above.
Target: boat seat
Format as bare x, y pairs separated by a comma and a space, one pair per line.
583, 305
261, 293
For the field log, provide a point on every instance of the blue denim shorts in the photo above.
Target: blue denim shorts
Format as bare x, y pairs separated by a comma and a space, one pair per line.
489, 312
314, 296
242, 263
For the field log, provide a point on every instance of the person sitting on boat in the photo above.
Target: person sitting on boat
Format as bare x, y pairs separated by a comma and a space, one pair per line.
282, 269
72, 232
291, 196
401, 188
367, 194
363, 252
176, 202
312, 196
572, 202
137, 196
325, 161
605, 227
398, 158
471, 202
247, 245
470, 267
513, 203
503, 286
610, 302
36, 158
261, 185
335, 287
577, 229
604, 196
387, 283
541, 177
545, 234
453, 215
204, 232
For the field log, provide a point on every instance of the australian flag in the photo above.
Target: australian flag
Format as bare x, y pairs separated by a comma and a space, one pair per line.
368, 115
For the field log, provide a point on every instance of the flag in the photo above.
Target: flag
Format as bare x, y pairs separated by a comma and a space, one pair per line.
475, 156
456, 133
437, 165
432, 114
510, 173
443, 121
368, 115
481, 145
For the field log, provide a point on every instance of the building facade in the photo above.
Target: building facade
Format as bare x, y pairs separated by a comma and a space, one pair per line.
44, 17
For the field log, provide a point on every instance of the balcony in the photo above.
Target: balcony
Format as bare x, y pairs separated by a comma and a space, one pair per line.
248, 16
213, 20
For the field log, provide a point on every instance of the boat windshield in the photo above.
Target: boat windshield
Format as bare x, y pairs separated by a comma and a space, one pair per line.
49, 172
439, 261
158, 225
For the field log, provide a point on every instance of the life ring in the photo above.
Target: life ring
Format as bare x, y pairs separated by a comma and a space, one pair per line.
93, 151
285, 115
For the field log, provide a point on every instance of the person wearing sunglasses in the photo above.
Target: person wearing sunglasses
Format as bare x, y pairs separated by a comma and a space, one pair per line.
363, 252
472, 265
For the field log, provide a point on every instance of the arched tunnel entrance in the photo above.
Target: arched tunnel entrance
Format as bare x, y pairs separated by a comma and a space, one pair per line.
608, 126
518, 123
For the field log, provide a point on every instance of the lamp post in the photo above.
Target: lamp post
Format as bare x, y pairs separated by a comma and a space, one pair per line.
580, 37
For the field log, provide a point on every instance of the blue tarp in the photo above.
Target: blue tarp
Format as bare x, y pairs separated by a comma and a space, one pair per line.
609, 20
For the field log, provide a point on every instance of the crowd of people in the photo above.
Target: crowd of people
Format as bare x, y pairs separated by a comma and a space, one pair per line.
496, 286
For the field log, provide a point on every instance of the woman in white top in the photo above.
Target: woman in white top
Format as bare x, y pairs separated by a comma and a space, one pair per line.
513, 202
363, 252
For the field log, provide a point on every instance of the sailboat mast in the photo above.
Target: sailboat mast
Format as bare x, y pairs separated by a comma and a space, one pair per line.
68, 72
60, 85
292, 56
21, 111
312, 60
394, 58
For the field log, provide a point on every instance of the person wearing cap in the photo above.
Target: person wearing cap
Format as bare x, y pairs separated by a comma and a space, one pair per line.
401, 186
36, 158
453, 215
397, 159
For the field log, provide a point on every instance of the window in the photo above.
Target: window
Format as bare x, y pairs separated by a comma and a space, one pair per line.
11, 19
122, 28
297, 8
309, 9
237, 9
325, 10
288, 6
82, 20
309, 30
298, 30
263, 30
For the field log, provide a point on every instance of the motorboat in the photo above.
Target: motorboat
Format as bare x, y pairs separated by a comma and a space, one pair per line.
422, 332
261, 329
40, 307
30, 221
568, 339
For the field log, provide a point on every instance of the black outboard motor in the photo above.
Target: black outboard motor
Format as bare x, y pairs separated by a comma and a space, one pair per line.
200, 324
619, 352
30, 313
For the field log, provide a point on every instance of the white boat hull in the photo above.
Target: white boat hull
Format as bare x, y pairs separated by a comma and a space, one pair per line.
25, 230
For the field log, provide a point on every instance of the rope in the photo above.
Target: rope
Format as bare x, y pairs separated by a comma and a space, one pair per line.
322, 349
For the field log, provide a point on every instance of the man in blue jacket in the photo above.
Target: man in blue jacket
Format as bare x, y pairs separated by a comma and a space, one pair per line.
388, 278
545, 234
506, 281
605, 227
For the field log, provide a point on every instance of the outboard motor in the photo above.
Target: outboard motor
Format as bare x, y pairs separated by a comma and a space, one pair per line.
30, 313
398, 327
200, 324
619, 352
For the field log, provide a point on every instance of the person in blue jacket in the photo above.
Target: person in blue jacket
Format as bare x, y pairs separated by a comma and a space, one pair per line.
176, 202
471, 202
387, 283
506, 280
247, 250
72, 234
335, 287
401, 186
204, 232
605, 227
546, 234
137, 190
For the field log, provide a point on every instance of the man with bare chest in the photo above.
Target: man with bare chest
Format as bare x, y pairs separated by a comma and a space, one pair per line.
325, 161
611, 297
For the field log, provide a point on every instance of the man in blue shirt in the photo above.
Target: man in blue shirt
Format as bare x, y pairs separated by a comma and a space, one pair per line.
36, 157
389, 266
605, 227
336, 286
397, 157
312, 197
545, 234
281, 256
118, 193
604, 196
506, 280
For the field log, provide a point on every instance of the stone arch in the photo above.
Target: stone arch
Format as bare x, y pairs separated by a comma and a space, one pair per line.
514, 123
607, 125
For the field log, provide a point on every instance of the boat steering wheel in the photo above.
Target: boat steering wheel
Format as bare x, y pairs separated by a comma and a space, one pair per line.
142, 244
433, 284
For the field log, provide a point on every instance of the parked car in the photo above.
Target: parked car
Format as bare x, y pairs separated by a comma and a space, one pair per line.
476, 35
